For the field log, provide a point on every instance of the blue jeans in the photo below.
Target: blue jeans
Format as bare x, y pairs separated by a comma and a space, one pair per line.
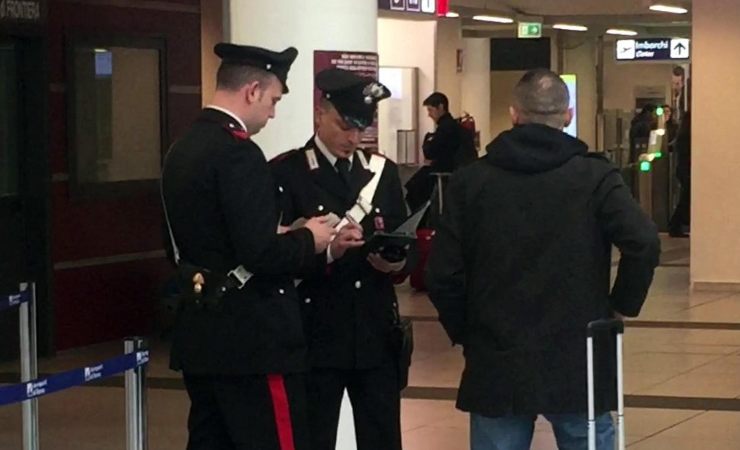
515, 432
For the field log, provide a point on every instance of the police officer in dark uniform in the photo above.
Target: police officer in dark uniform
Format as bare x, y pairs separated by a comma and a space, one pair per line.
242, 351
349, 309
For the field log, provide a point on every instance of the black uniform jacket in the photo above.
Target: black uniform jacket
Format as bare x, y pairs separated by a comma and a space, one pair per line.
348, 308
220, 197
440, 147
521, 263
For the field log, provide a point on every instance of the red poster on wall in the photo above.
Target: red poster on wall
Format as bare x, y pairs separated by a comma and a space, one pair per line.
365, 64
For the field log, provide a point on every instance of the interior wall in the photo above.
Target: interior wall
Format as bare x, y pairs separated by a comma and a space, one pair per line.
476, 85
621, 79
448, 79
502, 85
715, 220
579, 58
409, 43
502, 91
338, 25
211, 33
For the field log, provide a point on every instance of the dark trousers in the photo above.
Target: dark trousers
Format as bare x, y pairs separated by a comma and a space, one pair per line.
376, 405
682, 214
251, 412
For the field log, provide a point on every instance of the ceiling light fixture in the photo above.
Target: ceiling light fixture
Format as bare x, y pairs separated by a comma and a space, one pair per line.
669, 9
452, 14
567, 27
495, 19
620, 32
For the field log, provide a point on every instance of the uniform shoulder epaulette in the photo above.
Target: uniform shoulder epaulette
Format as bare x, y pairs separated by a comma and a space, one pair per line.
283, 156
239, 135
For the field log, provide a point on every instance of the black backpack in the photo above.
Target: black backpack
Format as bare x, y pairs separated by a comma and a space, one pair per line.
467, 152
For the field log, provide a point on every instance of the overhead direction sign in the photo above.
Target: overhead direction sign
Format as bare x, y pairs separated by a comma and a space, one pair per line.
657, 49
411, 6
680, 48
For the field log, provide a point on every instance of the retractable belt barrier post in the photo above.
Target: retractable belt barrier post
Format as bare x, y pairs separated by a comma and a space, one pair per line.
29, 367
133, 363
136, 420
25, 300
440, 188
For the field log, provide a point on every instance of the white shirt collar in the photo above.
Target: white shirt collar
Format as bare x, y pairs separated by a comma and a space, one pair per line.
327, 154
229, 113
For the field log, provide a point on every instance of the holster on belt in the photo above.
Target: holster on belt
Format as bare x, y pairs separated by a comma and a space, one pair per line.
214, 287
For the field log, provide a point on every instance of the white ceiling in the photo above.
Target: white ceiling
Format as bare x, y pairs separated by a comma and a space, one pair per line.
568, 7
598, 15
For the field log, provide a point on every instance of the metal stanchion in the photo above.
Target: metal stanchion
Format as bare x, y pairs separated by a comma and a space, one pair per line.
440, 189
29, 367
136, 418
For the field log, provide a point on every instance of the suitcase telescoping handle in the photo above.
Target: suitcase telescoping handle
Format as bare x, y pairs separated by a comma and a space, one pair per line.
593, 327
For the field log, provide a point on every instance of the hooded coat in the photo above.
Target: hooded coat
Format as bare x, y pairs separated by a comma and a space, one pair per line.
521, 263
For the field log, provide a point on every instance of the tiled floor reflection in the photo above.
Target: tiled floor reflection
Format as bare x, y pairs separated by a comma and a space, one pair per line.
682, 367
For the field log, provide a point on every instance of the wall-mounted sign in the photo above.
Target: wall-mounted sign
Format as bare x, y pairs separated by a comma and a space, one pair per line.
22, 11
412, 6
530, 30
658, 49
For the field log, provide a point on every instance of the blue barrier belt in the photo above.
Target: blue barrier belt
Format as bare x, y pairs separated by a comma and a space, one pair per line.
43, 386
10, 301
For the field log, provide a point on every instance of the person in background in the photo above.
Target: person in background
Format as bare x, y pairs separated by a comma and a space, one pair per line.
449, 147
671, 126
640, 127
681, 217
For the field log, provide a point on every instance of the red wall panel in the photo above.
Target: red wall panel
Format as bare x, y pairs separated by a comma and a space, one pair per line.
103, 302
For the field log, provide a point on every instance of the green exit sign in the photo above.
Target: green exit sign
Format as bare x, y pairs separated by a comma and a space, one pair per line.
529, 30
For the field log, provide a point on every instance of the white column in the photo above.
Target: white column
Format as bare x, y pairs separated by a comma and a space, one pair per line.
312, 25
715, 206
476, 85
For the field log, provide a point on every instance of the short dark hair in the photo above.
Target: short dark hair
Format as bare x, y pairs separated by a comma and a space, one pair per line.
232, 77
437, 99
679, 71
541, 96
648, 108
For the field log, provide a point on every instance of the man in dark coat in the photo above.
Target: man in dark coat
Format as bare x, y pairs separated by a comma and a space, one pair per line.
450, 146
682, 215
241, 354
443, 147
640, 127
521, 263
350, 309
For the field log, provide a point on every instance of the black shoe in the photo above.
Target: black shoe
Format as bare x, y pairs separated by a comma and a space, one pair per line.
677, 234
